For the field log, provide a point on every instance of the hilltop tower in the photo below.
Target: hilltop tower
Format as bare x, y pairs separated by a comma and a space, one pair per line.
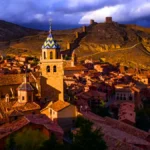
52, 84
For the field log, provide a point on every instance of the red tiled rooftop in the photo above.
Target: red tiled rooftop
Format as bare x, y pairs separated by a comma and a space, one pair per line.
26, 106
14, 79
127, 128
117, 132
44, 120
9, 128
75, 68
121, 135
59, 105
39, 119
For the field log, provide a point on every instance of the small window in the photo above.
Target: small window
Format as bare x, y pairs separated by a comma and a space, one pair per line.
48, 68
16, 117
130, 98
44, 55
29, 98
50, 112
51, 55
22, 97
54, 69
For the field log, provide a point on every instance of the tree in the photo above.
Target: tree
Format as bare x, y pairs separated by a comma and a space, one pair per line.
87, 138
10, 143
143, 119
35, 61
52, 144
28, 139
101, 109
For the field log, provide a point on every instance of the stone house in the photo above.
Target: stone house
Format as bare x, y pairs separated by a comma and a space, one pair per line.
61, 112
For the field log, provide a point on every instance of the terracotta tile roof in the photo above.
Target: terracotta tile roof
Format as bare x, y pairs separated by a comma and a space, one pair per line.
26, 106
13, 113
59, 105
126, 128
14, 79
117, 144
91, 93
9, 128
44, 120
76, 68
25, 87
117, 137
121, 135
39, 119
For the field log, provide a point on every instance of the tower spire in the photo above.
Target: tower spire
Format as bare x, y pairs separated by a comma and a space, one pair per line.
50, 29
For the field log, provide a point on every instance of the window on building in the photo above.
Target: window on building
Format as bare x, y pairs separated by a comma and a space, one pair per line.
29, 98
22, 97
54, 69
50, 112
33, 113
16, 117
124, 98
130, 98
51, 55
44, 55
48, 68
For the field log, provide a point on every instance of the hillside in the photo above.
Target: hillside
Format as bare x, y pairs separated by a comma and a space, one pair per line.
112, 41
10, 31
116, 43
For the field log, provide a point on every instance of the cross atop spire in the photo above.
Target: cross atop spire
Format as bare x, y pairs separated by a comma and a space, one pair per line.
50, 29
50, 43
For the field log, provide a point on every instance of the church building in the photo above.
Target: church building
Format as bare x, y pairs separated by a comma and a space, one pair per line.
52, 83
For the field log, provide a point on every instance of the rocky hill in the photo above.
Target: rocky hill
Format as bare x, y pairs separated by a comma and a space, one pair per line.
10, 31
116, 43
112, 41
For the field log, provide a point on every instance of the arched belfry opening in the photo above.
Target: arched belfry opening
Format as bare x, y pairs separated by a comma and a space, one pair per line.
48, 68
54, 69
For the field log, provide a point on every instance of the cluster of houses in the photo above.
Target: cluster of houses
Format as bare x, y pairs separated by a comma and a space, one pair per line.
51, 98
18, 64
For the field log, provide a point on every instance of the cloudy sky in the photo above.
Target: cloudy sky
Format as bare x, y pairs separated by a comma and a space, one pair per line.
72, 13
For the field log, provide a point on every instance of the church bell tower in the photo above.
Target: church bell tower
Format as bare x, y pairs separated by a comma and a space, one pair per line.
52, 84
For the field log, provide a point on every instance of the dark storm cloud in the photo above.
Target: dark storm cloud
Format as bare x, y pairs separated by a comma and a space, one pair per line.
77, 6
74, 11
